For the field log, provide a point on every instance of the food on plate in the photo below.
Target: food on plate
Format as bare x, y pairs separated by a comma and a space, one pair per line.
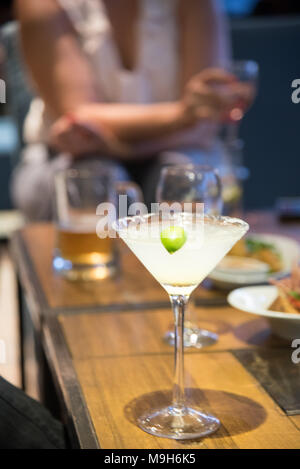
260, 250
241, 264
288, 299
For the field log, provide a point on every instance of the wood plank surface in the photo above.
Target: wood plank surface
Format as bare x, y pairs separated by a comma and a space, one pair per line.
118, 390
141, 332
120, 357
296, 420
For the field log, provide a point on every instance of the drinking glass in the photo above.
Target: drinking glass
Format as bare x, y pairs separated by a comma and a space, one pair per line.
246, 71
81, 251
179, 250
191, 184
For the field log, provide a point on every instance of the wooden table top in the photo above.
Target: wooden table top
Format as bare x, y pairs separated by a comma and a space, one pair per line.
122, 365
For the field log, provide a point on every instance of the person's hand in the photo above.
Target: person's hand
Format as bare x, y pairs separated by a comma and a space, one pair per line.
72, 133
213, 93
69, 134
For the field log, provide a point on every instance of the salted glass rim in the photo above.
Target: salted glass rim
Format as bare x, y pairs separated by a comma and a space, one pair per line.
122, 224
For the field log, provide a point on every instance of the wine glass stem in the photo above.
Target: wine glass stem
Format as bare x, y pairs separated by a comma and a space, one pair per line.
178, 304
232, 132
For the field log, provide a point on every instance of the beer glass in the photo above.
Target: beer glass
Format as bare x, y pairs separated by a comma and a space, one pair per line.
83, 251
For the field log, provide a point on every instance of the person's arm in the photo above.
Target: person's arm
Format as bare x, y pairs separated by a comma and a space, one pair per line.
56, 65
116, 129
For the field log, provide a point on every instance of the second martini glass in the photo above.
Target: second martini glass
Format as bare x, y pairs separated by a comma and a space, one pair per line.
179, 250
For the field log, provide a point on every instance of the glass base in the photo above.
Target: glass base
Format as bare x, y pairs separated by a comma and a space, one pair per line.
179, 424
193, 337
86, 272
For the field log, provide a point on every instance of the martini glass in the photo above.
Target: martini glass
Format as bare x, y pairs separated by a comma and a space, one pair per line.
191, 184
179, 250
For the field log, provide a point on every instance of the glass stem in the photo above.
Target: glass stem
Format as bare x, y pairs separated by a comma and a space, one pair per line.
178, 304
232, 132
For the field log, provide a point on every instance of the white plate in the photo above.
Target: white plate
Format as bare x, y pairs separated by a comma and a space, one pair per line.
289, 251
257, 300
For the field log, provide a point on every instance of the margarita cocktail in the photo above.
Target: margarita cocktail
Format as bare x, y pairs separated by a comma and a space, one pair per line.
180, 250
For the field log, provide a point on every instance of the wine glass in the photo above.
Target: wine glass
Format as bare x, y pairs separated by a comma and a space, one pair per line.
246, 71
191, 184
233, 173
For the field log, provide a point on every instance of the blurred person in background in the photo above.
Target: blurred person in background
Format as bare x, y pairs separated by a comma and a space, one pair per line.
119, 82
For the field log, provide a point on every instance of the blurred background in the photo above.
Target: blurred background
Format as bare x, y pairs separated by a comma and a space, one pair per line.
266, 31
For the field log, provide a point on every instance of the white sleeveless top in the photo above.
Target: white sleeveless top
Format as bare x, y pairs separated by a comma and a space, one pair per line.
156, 76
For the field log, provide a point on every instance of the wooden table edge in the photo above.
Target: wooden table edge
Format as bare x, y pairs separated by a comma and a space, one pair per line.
27, 275
77, 419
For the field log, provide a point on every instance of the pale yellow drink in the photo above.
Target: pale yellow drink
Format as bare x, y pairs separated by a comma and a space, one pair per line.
208, 239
